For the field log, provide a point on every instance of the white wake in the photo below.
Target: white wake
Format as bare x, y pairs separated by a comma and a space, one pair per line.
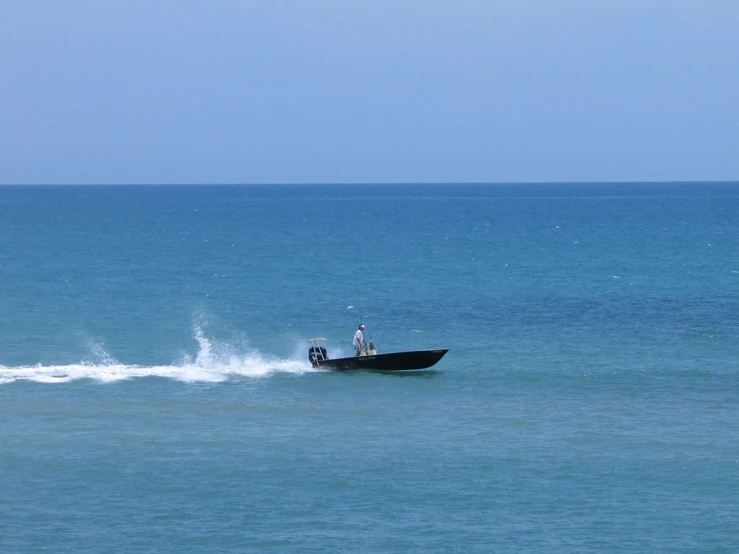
210, 365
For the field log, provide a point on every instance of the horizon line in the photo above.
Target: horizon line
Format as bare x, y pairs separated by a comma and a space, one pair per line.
368, 183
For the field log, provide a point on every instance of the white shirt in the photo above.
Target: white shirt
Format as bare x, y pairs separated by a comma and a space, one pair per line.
358, 338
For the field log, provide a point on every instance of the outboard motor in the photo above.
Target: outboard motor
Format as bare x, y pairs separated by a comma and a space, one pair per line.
316, 353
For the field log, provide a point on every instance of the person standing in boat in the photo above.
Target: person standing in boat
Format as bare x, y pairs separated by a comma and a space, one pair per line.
359, 339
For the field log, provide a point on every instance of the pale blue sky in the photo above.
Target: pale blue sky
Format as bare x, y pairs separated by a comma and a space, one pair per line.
349, 91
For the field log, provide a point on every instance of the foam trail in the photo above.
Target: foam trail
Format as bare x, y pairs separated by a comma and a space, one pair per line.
213, 363
246, 367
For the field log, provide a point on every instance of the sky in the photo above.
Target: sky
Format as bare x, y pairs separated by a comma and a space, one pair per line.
368, 91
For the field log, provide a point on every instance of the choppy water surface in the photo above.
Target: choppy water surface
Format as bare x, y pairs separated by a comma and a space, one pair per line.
156, 395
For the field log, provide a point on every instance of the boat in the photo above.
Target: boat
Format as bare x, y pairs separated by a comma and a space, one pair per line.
369, 359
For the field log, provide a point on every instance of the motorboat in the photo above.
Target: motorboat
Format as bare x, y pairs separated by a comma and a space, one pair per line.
369, 359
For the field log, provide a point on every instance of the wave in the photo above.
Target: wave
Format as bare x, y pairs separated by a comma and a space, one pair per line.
213, 363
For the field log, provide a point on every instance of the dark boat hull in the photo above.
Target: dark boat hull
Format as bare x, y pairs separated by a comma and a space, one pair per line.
394, 361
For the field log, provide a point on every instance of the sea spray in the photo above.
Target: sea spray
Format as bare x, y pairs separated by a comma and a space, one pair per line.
214, 362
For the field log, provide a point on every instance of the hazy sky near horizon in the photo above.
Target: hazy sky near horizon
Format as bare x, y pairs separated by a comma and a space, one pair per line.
350, 91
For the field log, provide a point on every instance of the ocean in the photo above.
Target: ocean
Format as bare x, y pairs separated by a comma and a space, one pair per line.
156, 394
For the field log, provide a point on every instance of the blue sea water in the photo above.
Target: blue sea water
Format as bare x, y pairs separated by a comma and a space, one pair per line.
156, 396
